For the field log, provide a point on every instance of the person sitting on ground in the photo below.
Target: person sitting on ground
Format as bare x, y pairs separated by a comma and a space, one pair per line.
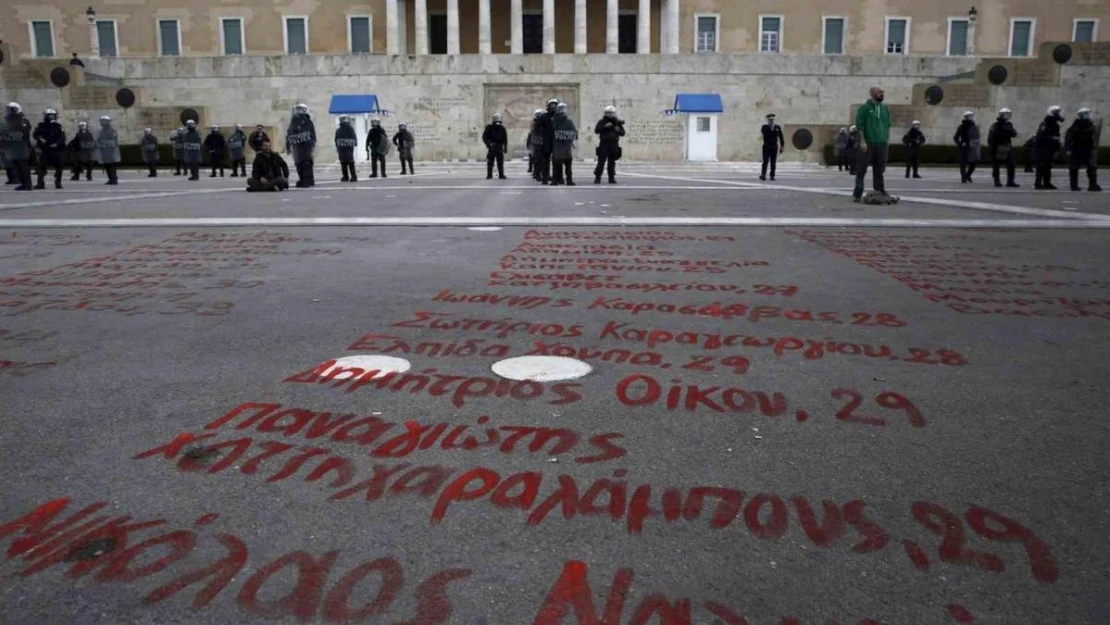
269, 172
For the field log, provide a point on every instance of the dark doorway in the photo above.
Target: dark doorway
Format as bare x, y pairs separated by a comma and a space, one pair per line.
437, 34
626, 34
532, 27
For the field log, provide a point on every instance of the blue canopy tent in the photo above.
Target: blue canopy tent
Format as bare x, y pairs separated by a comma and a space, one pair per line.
354, 105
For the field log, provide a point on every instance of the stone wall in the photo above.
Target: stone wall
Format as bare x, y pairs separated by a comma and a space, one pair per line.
447, 100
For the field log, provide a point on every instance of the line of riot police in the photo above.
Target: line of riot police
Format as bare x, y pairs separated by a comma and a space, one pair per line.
551, 141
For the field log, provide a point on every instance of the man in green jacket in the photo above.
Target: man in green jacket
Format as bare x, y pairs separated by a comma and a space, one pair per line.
873, 122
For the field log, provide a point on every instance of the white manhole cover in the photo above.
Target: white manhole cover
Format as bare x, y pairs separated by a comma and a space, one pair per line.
541, 368
369, 362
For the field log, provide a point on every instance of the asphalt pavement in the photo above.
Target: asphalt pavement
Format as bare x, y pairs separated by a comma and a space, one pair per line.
737, 401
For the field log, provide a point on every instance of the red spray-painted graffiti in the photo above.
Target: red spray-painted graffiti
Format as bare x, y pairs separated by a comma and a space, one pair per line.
42, 541
435, 384
764, 516
371, 432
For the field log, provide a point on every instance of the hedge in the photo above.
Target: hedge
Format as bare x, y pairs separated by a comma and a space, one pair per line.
950, 155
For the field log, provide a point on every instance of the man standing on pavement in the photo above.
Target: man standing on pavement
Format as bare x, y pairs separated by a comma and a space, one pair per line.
967, 138
1047, 145
873, 122
377, 146
15, 142
609, 129
84, 151
215, 145
50, 140
149, 147
547, 127
404, 142
773, 145
107, 142
178, 141
257, 137
1081, 144
562, 154
300, 140
345, 143
496, 140
191, 145
236, 146
1000, 142
913, 140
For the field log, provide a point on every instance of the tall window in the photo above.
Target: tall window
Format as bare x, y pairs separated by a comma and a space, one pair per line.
1085, 31
957, 36
707, 33
834, 35
296, 35
359, 34
42, 38
231, 34
770, 33
169, 38
107, 36
1021, 36
897, 35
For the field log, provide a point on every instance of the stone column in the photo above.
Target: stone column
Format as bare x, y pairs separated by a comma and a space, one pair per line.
675, 19
664, 30
612, 27
392, 39
421, 30
643, 28
484, 39
452, 26
580, 27
549, 26
517, 16
402, 27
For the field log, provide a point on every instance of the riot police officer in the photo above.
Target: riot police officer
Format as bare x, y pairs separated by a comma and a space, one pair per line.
107, 142
50, 140
15, 143
377, 146
1047, 145
609, 129
1081, 146
191, 145
496, 140
345, 143
913, 140
1000, 142
149, 147
968, 139
300, 139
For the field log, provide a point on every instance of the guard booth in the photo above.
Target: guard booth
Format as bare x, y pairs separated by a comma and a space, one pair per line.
702, 111
360, 108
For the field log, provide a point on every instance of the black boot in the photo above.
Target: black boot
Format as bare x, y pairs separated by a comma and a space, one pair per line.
597, 179
612, 180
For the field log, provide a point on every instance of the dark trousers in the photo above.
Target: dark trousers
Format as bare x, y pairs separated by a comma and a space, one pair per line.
21, 172
348, 168
180, 166
842, 163
996, 166
606, 160
153, 170
563, 173
306, 177
78, 167
541, 169
1043, 178
770, 156
275, 184
217, 165
111, 169
407, 160
529, 163
193, 170
13, 178
968, 160
57, 174
375, 160
1081, 160
912, 161
548, 173
876, 159
492, 157
237, 165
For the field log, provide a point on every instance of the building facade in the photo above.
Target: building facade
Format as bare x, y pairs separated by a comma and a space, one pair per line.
444, 66
130, 28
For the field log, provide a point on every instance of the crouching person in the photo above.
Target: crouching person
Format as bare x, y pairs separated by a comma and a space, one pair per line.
269, 171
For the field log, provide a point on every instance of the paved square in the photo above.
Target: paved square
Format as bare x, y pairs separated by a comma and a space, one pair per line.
221, 407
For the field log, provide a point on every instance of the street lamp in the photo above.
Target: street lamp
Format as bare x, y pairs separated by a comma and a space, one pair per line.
972, 16
94, 37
